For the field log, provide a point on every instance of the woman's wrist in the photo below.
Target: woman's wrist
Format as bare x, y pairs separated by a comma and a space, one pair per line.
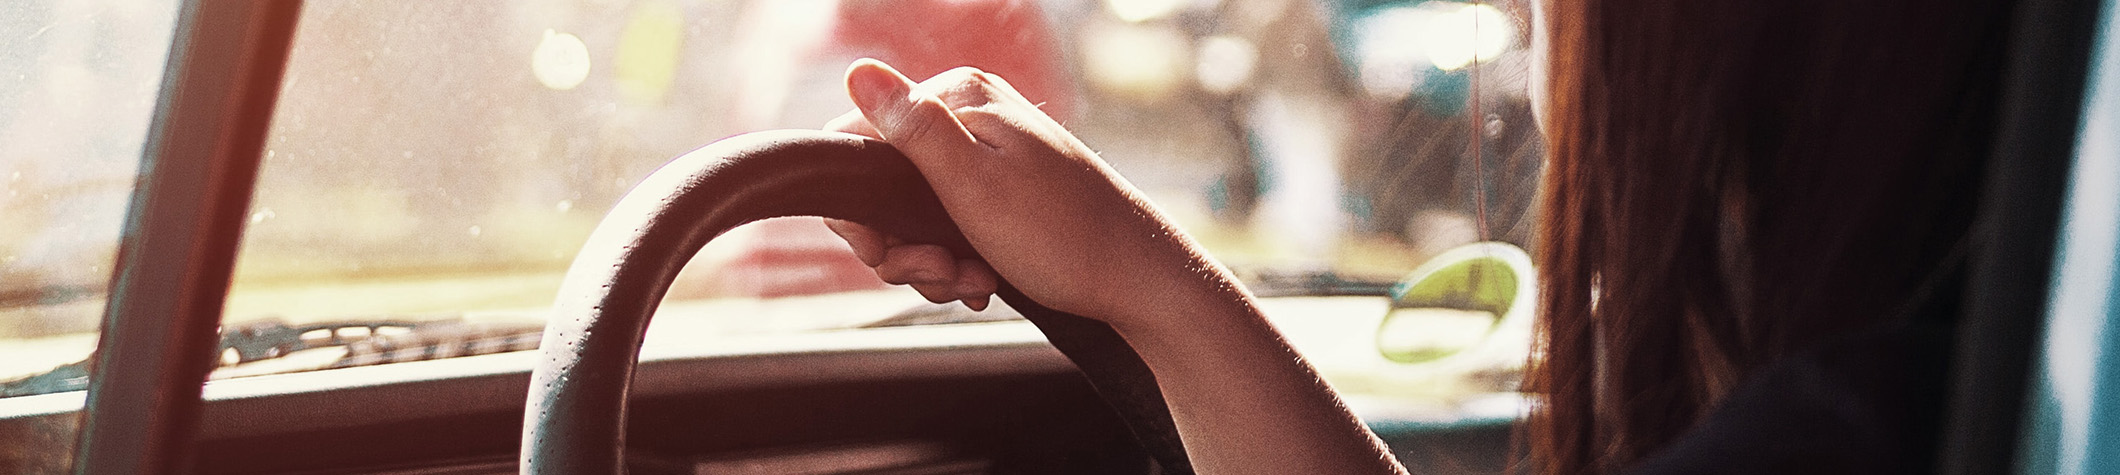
1177, 316
1244, 400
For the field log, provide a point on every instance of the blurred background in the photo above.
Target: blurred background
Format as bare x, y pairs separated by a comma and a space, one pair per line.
435, 161
433, 166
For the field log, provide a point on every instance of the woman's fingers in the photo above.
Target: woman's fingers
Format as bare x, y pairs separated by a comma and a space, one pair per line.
917, 264
977, 304
937, 293
923, 120
916, 121
868, 244
931, 270
920, 266
975, 283
998, 128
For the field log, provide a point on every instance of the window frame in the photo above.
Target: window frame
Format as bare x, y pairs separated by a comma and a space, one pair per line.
182, 229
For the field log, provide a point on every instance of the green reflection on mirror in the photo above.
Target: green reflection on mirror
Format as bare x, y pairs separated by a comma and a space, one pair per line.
1453, 302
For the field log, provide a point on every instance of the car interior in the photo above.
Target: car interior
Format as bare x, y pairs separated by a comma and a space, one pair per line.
472, 237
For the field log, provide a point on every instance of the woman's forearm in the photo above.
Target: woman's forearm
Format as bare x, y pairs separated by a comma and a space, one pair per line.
1246, 402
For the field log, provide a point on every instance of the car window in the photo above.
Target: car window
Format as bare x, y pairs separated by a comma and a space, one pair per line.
78, 84
433, 167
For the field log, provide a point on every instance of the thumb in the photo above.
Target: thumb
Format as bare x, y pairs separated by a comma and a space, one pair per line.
918, 124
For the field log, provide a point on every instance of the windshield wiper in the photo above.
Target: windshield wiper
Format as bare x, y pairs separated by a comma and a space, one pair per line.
69, 377
48, 295
1312, 283
443, 339
383, 340
367, 342
1263, 283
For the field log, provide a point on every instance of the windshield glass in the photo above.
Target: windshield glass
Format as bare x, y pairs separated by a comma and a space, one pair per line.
433, 167
78, 81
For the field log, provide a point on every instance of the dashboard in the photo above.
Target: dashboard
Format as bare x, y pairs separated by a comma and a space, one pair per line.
989, 397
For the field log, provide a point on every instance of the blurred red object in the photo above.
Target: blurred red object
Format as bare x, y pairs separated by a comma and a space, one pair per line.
775, 258
921, 38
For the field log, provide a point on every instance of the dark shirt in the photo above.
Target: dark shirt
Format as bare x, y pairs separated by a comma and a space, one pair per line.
1865, 403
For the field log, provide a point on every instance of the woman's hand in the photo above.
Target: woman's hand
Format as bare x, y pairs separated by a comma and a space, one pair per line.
1041, 208
1046, 213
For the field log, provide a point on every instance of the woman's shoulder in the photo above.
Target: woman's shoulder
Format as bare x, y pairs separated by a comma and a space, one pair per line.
1860, 403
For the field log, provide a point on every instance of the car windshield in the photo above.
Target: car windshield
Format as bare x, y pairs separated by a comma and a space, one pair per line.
433, 167
78, 81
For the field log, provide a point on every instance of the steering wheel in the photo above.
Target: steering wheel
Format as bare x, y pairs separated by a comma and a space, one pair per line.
575, 416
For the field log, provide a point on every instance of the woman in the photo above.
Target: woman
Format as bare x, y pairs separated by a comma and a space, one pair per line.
1752, 213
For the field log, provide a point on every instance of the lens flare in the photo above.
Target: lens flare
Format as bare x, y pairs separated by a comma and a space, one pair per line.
1470, 34
561, 61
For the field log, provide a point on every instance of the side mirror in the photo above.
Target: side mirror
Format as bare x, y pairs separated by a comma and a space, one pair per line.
1468, 302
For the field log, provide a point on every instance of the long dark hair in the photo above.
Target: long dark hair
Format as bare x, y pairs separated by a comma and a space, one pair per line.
1732, 181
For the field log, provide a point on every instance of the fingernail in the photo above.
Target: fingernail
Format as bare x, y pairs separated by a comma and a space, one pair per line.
873, 85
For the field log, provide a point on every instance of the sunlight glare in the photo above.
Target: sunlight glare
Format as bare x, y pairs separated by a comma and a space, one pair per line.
561, 61
1144, 61
1473, 33
1136, 11
1226, 63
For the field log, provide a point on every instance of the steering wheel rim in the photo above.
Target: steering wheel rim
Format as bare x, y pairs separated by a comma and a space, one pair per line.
574, 418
